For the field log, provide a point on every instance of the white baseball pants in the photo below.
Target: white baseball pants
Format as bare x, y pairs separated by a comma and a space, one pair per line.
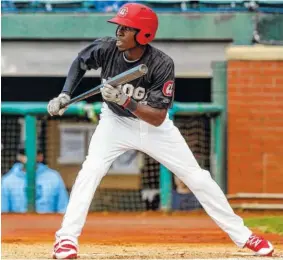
115, 135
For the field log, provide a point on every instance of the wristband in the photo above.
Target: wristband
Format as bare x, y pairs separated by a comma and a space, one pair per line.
131, 105
126, 102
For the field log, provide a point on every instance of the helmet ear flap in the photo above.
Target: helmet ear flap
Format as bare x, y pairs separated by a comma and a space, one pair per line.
144, 37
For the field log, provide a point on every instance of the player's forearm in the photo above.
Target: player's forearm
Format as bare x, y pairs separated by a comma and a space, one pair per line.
74, 77
153, 116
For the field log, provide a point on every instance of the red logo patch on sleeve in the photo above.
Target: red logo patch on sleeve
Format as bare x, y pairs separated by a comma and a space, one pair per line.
168, 88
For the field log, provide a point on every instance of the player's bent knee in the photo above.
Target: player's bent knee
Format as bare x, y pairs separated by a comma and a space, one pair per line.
198, 178
94, 167
205, 173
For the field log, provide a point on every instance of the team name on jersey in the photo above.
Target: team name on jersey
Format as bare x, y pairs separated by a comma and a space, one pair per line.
137, 93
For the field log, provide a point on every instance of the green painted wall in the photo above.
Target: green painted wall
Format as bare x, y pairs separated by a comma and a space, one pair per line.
219, 97
237, 26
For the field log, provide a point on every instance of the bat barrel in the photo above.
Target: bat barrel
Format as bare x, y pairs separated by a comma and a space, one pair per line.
120, 79
128, 75
143, 69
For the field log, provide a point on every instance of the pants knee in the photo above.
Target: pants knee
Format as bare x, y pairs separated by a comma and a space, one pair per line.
94, 167
197, 179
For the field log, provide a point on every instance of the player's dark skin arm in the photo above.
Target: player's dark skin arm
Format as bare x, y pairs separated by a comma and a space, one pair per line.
153, 116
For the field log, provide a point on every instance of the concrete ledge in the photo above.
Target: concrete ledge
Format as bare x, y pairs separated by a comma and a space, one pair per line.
255, 52
257, 206
256, 196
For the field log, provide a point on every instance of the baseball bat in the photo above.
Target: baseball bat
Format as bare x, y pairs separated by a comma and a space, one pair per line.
119, 79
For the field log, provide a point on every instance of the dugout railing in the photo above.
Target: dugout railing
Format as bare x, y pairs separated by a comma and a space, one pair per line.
32, 110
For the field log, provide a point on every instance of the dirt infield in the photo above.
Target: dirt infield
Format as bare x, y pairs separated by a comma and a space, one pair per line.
127, 236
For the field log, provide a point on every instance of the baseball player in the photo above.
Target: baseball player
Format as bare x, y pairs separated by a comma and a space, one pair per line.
135, 116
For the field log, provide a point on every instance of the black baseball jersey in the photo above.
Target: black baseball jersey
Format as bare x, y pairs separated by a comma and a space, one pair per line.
155, 89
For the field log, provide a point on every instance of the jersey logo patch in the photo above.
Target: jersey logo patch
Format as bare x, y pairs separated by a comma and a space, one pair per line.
167, 89
123, 11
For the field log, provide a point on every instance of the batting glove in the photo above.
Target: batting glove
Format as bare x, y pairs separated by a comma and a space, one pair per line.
113, 94
54, 105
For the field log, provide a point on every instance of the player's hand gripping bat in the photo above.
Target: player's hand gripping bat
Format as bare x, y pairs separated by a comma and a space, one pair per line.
120, 79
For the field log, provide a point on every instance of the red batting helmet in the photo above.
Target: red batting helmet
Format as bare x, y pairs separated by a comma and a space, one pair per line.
139, 17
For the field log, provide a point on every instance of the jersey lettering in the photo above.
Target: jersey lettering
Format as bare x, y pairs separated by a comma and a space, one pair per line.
136, 93
139, 93
128, 89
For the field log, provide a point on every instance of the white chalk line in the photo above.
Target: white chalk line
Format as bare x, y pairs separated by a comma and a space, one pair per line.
137, 256
183, 258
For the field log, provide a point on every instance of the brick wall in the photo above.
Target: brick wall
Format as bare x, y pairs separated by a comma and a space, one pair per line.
255, 126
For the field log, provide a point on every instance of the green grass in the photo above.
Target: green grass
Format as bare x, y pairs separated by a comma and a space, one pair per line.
272, 224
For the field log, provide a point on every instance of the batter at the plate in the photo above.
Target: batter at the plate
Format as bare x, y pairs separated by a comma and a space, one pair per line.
135, 116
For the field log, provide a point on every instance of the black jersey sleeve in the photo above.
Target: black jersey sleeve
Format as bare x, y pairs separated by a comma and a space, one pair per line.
74, 77
94, 55
91, 57
161, 92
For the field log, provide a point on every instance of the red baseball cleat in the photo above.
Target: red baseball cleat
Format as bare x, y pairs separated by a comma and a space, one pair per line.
65, 249
259, 245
